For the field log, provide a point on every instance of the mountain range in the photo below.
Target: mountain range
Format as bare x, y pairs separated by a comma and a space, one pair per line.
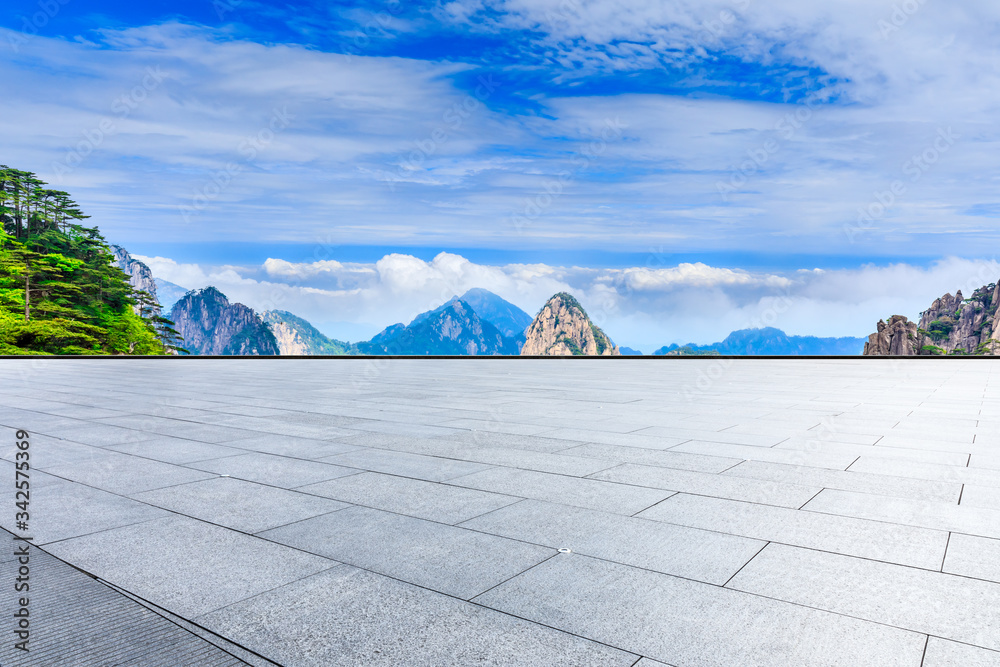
455, 328
769, 341
479, 323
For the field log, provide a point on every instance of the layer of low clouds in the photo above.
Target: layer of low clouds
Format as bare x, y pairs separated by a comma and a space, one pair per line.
641, 307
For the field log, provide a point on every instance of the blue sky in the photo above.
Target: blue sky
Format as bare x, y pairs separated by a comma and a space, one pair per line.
679, 165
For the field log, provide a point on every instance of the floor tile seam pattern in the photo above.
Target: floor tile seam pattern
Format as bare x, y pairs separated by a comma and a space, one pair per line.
862, 618
115, 607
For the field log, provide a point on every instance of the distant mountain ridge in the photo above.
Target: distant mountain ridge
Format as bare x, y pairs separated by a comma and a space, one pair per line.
167, 293
510, 320
211, 325
563, 328
769, 341
453, 329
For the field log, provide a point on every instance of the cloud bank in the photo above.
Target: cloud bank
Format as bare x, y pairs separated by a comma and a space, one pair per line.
639, 307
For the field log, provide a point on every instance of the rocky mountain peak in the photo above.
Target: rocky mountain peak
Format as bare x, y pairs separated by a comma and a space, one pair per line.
952, 325
140, 277
562, 328
211, 325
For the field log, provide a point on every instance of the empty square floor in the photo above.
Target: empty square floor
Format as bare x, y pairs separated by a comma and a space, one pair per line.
632, 512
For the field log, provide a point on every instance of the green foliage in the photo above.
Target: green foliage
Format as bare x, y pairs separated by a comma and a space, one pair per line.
932, 349
573, 347
599, 338
60, 289
939, 329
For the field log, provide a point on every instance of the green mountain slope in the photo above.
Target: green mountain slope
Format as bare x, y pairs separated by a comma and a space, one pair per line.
61, 291
296, 336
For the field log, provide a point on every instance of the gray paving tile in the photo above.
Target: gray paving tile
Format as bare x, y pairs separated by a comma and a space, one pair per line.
187, 566
175, 450
950, 474
918, 547
654, 457
305, 448
346, 616
712, 435
870, 451
695, 554
424, 500
687, 622
561, 464
716, 486
576, 491
495, 426
883, 485
45, 451
280, 471
431, 468
925, 514
101, 436
942, 605
833, 460
238, 504
150, 426
61, 509
125, 474
404, 428
973, 556
930, 441
648, 441
533, 443
450, 560
981, 496
944, 653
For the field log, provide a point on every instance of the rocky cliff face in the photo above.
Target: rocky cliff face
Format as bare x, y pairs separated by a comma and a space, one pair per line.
952, 325
211, 325
140, 277
898, 336
296, 336
562, 328
453, 329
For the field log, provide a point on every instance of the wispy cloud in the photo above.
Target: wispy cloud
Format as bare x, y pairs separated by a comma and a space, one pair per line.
746, 125
638, 306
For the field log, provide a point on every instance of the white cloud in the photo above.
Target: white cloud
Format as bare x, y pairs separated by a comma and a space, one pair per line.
375, 152
686, 303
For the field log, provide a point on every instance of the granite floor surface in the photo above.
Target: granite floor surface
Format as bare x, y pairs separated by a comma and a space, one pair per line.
633, 512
